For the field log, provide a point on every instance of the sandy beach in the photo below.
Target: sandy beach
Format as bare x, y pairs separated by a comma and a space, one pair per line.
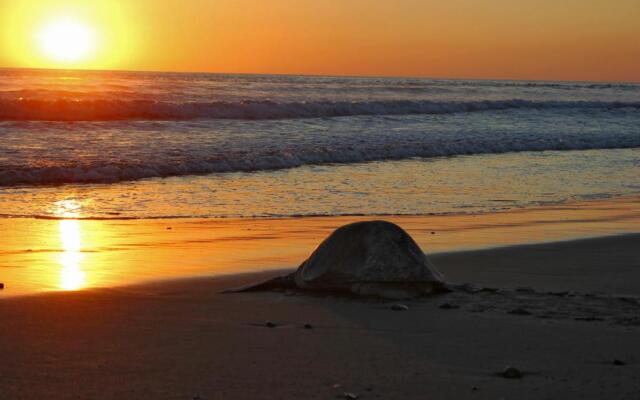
562, 312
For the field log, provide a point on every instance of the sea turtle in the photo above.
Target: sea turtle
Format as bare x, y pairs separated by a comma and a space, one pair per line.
373, 258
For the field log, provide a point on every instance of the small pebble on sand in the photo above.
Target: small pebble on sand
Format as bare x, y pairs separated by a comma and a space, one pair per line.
520, 311
512, 373
589, 319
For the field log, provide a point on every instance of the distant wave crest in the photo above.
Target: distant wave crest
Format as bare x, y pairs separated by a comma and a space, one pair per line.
108, 110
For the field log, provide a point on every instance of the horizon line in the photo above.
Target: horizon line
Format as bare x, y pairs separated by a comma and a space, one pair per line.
319, 75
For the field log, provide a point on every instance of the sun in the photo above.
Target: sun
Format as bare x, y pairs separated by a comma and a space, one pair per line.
66, 40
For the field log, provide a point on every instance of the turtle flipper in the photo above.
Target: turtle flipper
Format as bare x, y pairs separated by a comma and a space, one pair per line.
279, 282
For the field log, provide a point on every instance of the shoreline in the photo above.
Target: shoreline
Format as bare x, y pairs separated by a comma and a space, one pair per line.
549, 205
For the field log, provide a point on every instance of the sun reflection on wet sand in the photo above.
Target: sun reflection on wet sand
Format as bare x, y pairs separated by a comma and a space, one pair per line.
72, 277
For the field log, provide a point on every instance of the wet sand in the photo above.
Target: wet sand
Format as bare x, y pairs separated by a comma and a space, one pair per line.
183, 339
45, 255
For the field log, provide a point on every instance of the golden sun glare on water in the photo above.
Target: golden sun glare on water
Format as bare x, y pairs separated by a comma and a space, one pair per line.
66, 40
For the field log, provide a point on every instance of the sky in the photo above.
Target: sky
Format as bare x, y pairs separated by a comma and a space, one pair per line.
597, 40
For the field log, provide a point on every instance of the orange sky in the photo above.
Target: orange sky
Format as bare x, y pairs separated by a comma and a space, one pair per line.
511, 39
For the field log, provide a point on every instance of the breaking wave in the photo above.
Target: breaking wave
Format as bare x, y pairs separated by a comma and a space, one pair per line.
108, 110
272, 159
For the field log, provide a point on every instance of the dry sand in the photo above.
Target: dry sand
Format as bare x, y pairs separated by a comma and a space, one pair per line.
185, 340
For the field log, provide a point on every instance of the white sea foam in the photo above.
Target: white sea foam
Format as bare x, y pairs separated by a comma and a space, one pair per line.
270, 159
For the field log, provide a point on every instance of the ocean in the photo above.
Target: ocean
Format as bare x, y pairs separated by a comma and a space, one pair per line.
120, 145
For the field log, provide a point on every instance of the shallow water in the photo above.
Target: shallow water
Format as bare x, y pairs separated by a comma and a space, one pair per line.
465, 184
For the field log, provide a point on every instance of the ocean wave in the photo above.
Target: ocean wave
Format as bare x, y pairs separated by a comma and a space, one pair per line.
274, 159
106, 110
543, 84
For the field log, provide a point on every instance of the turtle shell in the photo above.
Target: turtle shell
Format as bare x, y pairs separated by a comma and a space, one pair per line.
370, 252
